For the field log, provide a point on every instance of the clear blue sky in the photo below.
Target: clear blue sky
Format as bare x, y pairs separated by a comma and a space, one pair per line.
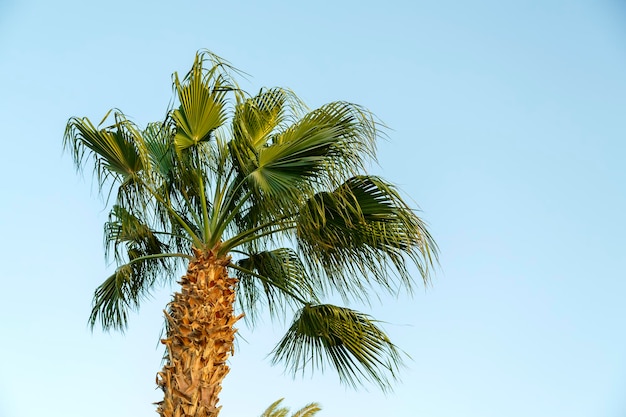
507, 127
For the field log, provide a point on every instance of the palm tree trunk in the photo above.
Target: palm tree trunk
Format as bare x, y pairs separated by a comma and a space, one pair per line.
200, 336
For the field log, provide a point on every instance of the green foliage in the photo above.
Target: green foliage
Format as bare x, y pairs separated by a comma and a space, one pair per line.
349, 340
281, 189
275, 410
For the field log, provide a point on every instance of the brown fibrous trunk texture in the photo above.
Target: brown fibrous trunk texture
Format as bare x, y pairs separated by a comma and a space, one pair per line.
200, 338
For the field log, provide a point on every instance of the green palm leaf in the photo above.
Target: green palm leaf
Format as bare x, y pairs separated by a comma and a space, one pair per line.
160, 150
349, 132
324, 147
274, 410
122, 292
358, 227
329, 139
125, 228
202, 97
279, 275
144, 259
346, 339
114, 149
132, 282
257, 117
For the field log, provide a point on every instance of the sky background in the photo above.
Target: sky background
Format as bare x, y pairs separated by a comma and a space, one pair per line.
507, 128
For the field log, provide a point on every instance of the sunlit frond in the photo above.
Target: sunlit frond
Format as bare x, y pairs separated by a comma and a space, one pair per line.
274, 410
308, 410
203, 96
113, 149
347, 340
353, 131
322, 149
258, 116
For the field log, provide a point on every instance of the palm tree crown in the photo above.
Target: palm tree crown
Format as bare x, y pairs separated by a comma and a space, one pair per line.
274, 191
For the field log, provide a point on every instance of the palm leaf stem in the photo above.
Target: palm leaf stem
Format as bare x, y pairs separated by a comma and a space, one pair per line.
158, 256
226, 216
249, 235
268, 281
231, 196
212, 224
196, 240
203, 203
218, 224
241, 252
171, 234
221, 189
191, 207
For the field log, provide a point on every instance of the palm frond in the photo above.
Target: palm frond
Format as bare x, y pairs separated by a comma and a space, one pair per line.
257, 117
274, 410
353, 131
131, 283
113, 149
121, 293
347, 340
323, 148
113, 299
361, 230
308, 410
202, 96
159, 145
125, 228
279, 275
144, 258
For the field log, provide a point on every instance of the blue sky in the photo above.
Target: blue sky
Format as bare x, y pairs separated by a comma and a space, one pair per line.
506, 126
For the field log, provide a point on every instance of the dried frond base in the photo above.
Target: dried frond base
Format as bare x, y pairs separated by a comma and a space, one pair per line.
200, 337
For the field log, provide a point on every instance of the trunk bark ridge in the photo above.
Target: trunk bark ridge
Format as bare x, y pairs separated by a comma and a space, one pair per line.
200, 337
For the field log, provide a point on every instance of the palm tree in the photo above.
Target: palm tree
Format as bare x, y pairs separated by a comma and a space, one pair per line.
264, 202
274, 410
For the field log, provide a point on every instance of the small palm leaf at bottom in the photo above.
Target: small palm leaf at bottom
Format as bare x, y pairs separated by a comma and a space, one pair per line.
308, 410
274, 410
346, 339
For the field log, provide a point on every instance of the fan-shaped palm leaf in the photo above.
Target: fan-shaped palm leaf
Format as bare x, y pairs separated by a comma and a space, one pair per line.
358, 227
202, 96
347, 339
113, 149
